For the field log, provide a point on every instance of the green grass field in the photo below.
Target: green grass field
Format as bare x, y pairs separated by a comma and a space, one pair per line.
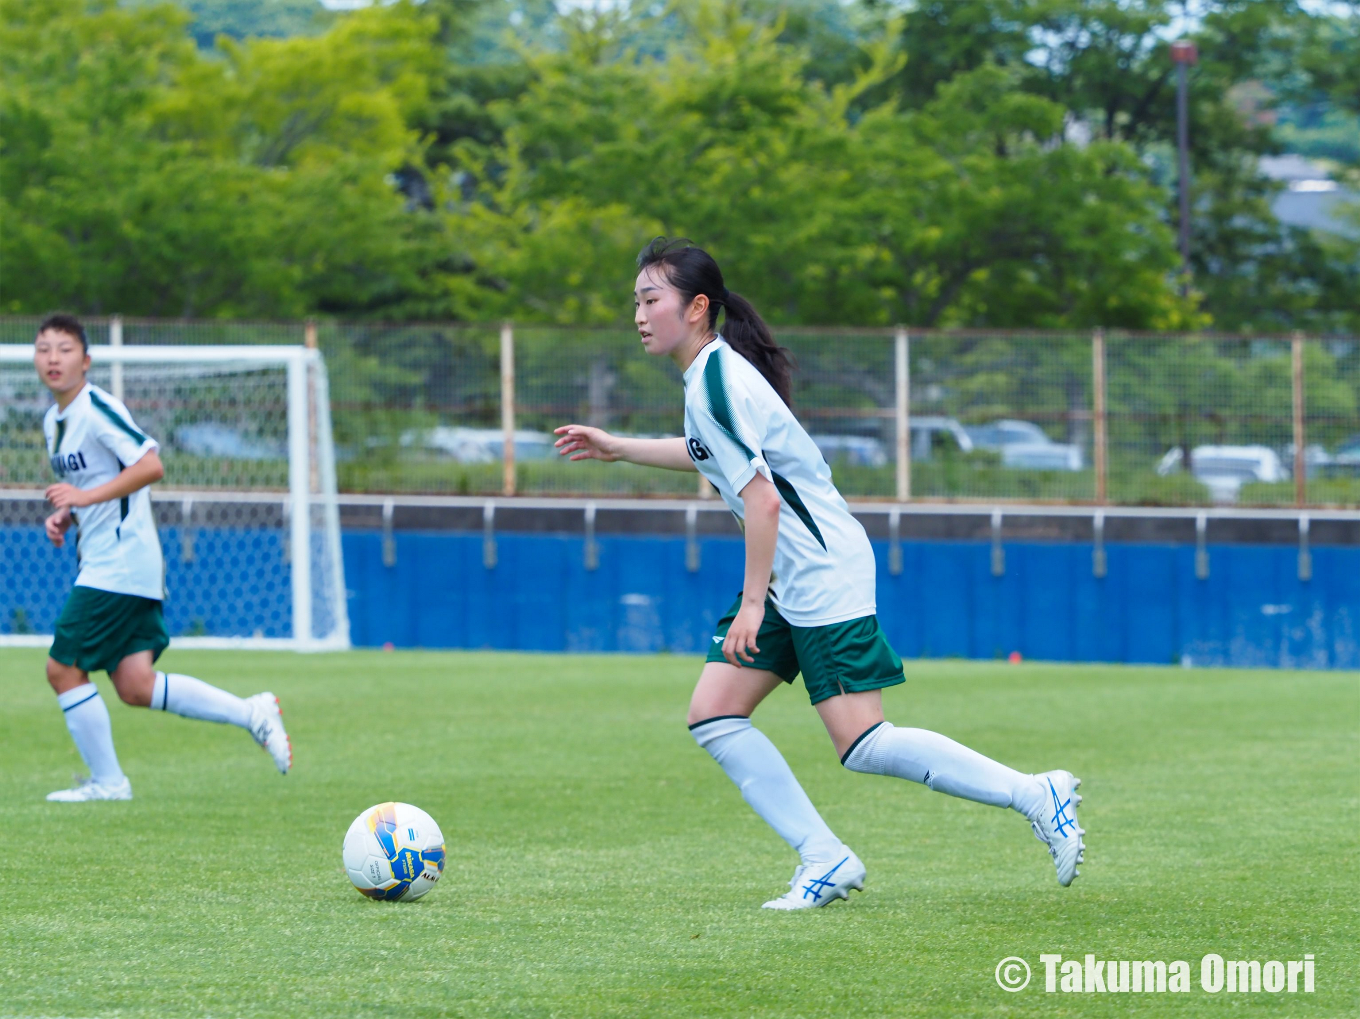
600, 864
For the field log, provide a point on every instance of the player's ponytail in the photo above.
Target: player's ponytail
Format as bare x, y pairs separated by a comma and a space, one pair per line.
692, 271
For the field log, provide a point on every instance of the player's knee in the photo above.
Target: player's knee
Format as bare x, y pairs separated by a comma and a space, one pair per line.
62, 677
134, 686
133, 696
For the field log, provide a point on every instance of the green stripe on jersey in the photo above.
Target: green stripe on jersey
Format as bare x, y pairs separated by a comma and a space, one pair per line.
722, 413
113, 416
717, 400
795, 501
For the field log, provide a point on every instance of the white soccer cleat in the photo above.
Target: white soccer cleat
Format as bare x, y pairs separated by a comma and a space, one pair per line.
87, 789
266, 725
816, 884
1056, 825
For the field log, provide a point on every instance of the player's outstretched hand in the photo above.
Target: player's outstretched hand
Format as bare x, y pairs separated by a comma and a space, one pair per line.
64, 496
56, 526
581, 442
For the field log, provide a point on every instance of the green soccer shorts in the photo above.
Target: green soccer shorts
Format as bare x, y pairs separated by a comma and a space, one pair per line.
841, 658
98, 629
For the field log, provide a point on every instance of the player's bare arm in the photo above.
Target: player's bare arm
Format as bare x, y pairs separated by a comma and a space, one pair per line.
761, 502
146, 471
582, 442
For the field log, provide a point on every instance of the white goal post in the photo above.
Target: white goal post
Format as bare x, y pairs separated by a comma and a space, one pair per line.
247, 513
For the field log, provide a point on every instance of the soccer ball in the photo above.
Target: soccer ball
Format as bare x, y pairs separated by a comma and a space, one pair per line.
394, 851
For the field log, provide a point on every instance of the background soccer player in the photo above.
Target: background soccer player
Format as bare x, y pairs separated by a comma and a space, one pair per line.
112, 618
808, 603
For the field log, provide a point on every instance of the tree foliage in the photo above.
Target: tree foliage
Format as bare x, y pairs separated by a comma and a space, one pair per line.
140, 176
963, 163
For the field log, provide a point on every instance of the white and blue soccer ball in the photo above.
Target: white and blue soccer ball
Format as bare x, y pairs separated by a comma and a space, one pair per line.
394, 851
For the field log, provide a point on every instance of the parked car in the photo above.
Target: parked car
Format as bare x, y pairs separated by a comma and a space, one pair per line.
1023, 445
856, 450
1225, 469
214, 439
931, 432
1317, 461
1041, 456
480, 445
1007, 432
1345, 462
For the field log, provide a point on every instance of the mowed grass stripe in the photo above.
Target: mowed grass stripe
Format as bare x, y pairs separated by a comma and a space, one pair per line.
600, 864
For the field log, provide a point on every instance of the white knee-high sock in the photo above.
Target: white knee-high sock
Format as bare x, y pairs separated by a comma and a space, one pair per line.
945, 766
767, 783
88, 721
193, 698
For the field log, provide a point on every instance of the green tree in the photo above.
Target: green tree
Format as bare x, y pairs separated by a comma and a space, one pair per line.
1106, 64
143, 177
968, 210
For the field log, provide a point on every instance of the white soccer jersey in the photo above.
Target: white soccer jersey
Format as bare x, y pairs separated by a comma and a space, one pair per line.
736, 425
90, 443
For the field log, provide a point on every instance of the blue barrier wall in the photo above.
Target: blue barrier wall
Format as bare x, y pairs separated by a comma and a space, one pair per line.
1252, 610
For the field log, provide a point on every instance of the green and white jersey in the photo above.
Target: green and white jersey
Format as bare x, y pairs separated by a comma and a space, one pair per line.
735, 426
90, 443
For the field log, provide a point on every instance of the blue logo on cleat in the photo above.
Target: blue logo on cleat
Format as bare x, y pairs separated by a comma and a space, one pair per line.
816, 886
1060, 819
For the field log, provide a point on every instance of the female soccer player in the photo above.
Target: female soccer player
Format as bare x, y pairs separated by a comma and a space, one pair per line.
112, 618
808, 602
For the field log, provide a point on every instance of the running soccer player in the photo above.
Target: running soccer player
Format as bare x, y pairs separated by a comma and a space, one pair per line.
808, 604
112, 617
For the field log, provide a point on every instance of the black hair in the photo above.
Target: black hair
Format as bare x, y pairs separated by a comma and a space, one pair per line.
693, 271
63, 323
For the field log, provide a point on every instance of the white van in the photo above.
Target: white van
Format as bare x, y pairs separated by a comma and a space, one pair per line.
1225, 469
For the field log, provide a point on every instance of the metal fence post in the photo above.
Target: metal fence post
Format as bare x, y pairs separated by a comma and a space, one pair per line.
1305, 555
1300, 459
1201, 545
903, 415
116, 369
489, 534
508, 408
1099, 437
592, 549
998, 549
389, 539
692, 538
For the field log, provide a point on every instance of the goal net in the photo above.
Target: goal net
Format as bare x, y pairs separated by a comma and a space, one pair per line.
247, 512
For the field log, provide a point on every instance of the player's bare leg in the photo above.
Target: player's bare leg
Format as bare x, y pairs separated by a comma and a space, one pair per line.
867, 743
719, 719
141, 685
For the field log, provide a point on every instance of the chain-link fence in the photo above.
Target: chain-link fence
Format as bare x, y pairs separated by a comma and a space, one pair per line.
1156, 419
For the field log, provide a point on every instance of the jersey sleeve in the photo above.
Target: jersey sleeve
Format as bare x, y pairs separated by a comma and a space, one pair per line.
117, 432
732, 426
